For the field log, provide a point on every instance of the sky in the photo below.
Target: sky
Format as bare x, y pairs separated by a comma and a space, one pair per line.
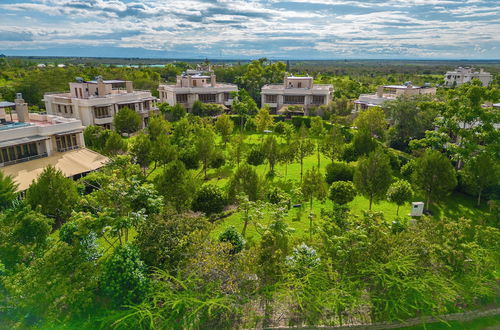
288, 29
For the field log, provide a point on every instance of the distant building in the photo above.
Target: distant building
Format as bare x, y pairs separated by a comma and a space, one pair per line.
29, 142
296, 91
390, 92
197, 85
96, 102
463, 75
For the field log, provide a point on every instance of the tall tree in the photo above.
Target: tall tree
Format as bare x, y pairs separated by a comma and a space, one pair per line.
263, 120
333, 143
481, 172
317, 131
244, 105
270, 148
372, 121
127, 121
204, 143
225, 127
434, 175
302, 147
55, 194
238, 148
176, 185
373, 176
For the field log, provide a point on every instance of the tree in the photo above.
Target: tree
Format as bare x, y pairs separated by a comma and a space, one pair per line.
399, 192
55, 194
317, 131
127, 121
372, 121
481, 172
243, 105
363, 143
204, 144
176, 185
256, 157
225, 127
313, 186
339, 171
124, 277
263, 120
209, 199
177, 112
302, 147
158, 127
141, 150
372, 176
245, 181
333, 143
434, 175
238, 148
342, 192
7, 190
270, 148
115, 145
197, 108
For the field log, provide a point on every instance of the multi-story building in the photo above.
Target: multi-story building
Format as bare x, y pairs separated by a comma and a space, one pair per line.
29, 142
462, 75
296, 91
195, 85
391, 92
96, 102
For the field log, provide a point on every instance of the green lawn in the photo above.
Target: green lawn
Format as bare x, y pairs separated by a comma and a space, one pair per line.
455, 206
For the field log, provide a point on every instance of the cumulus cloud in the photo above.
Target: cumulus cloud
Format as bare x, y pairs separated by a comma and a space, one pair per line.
273, 28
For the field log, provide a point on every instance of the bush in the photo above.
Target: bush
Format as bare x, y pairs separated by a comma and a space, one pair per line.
407, 170
127, 121
277, 196
250, 125
297, 121
124, 277
349, 153
256, 157
190, 158
342, 192
209, 199
339, 171
218, 160
231, 235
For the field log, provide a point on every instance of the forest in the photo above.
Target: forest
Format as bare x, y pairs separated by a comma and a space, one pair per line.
228, 219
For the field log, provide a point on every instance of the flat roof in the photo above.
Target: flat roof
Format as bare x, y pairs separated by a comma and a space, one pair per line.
293, 77
107, 81
400, 86
71, 163
5, 104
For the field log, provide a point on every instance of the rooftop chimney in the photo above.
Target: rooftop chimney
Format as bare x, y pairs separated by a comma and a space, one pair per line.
212, 79
101, 86
129, 86
380, 91
23, 115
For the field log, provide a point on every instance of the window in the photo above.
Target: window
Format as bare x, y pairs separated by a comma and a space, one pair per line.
226, 96
271, 99
66, 142
299, 85
58, 108
207, 98
181, 98
101, 112
18, 153
294, 99
318, 99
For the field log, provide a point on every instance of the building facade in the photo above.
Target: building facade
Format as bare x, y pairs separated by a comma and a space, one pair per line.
195, 85
96, 102
29, 142
390, 92
300, 92
463, 75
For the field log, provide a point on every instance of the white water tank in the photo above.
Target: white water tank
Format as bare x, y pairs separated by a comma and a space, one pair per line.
417, 209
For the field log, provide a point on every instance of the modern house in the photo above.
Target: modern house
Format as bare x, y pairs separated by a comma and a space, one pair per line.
29, 142
196, 85
390, 92
462, 75
300, 92
96, 102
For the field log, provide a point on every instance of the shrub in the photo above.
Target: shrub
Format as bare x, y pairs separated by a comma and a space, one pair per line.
407, 169
209, 199
277, 196
342, 192
231, 235
218, 160
256, 157
297, 121
339, 171
250, 125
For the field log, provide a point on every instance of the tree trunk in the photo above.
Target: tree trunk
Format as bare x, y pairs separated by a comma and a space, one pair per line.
319, 158
245, 224
397, 211
428, 205
479, 197
301, 165
371, 200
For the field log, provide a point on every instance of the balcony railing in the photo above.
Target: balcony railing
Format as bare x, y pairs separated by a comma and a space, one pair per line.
68, 148
25, 159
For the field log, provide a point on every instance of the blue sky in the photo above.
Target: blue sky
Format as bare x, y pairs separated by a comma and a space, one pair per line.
289, 29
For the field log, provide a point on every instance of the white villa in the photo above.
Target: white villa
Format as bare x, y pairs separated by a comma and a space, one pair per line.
96, 102
297, 91
29, 142
463, 75
196, 85
390, 92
